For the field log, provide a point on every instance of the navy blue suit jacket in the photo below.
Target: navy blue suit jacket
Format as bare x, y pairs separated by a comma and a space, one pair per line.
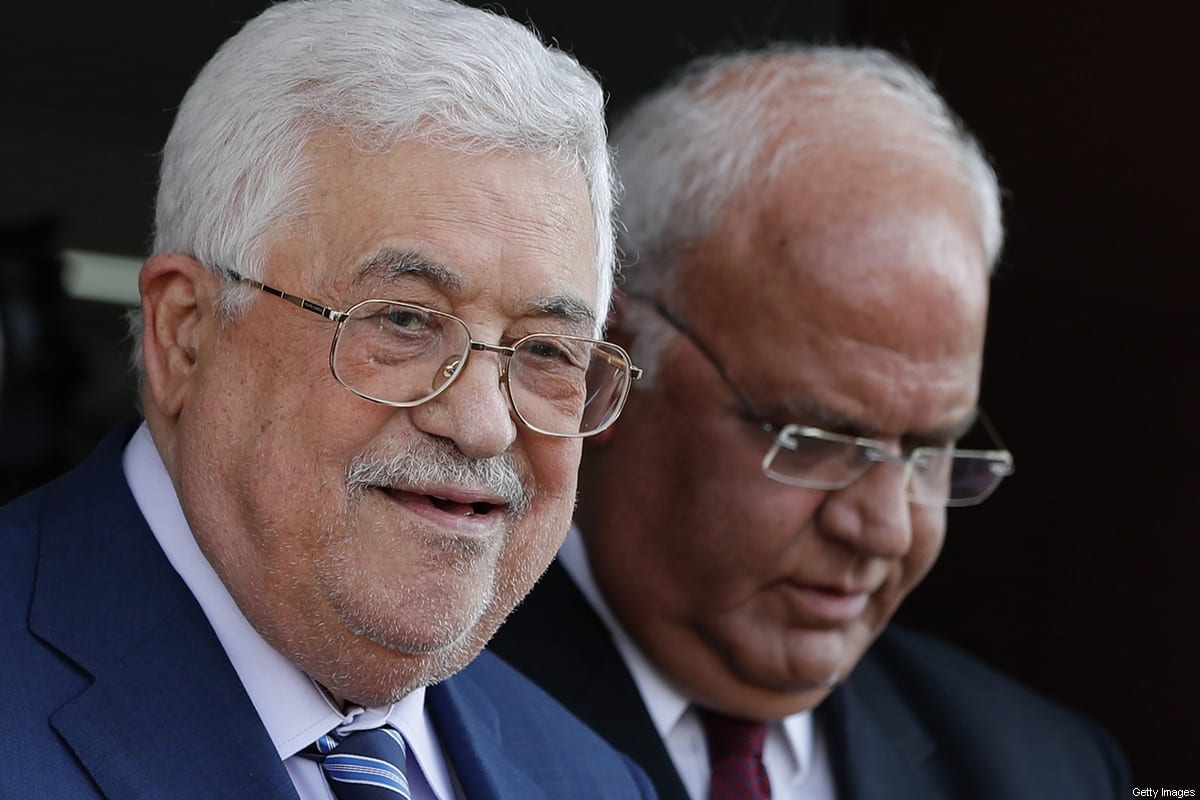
916, 720
113, 684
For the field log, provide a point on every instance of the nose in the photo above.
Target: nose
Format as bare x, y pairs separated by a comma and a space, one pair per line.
474, 411
872, 515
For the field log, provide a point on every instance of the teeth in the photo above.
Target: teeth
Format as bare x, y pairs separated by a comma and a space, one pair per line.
445, 504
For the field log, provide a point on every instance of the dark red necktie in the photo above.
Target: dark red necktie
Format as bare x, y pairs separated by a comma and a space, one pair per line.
735, 749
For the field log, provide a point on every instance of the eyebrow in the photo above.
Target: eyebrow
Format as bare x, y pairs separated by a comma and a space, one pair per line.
956, 432
392, 263
837, 423
825, 418
567, 308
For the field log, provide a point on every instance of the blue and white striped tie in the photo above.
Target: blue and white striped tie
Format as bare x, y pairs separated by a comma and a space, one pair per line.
365, 765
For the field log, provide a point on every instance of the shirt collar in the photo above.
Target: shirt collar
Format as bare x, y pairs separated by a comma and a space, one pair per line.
664, 702
666, 705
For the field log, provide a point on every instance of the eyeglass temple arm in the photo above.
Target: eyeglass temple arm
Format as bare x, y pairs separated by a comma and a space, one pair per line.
635, 372
1002, 450
999, 456
991, 429
678, 325
329, 313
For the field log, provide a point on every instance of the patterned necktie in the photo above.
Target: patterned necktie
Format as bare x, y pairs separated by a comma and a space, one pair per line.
364, 765
735, 748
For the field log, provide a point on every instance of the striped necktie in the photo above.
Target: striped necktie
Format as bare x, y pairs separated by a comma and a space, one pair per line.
364, 765
735, 749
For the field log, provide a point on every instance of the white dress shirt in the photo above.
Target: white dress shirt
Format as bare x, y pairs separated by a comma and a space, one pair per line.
794, 755
293, 709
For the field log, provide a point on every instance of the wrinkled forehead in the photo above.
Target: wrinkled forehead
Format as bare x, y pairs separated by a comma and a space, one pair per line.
870, 287
461, 216
926, 312
861, 238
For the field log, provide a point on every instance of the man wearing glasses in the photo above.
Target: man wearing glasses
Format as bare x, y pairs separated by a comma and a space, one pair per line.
368, 360
810, 234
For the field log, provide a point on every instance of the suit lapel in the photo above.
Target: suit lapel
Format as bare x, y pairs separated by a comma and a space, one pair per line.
468, 726
166, 714
876, 745
581, 667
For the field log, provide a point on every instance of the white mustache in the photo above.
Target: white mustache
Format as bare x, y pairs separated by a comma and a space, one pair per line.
429, 462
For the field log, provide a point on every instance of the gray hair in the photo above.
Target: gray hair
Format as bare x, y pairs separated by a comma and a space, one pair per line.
684, 151
234, 166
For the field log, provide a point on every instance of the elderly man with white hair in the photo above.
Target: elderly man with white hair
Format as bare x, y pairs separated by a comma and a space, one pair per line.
368, 359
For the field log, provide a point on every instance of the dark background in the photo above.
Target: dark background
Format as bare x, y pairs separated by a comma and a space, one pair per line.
1078, 576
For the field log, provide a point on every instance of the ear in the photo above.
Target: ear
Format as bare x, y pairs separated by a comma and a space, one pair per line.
617, 333
614, 329
176, 308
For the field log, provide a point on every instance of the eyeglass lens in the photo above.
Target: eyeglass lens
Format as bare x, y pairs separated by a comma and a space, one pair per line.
935, 475
402, 354
565, 385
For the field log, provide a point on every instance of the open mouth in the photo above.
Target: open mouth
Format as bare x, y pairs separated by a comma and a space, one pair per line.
444, 504
462, 509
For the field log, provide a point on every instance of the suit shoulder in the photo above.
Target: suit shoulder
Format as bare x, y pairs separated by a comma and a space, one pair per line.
923, 660
18, 549
552, 746
973, 708
25, 519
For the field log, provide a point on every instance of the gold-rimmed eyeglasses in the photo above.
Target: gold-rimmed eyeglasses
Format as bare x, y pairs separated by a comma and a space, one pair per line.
812, 458
402, 355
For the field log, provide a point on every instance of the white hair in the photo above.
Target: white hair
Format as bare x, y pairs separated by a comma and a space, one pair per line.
383, 71
731, 121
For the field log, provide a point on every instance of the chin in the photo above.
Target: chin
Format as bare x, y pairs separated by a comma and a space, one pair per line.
813, 661
420, 617
378, 675
418, 633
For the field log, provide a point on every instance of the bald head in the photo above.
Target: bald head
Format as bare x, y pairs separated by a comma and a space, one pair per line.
730, 125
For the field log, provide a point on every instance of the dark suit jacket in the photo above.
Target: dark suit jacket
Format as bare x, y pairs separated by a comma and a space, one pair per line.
113, 685
916, 720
